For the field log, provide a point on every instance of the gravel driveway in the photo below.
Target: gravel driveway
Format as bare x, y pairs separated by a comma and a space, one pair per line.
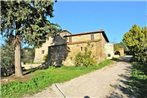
103, 83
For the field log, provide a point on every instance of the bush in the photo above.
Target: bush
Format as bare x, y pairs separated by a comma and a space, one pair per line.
45, 58
84, 59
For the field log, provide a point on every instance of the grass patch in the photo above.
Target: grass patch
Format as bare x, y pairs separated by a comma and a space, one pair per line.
138, 80
44, 78
103, 64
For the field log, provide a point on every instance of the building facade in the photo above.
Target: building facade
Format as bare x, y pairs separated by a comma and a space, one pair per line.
42, 51
64, 48
109, 50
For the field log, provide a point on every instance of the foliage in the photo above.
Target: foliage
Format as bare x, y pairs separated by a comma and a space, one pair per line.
28, 19
28, 55
26, 22
7, 59
7, 54
45, 58
43, 78
136, 40
138, 82
117, 46
84, 59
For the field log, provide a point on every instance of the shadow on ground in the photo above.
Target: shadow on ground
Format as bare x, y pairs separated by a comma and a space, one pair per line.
123, 58
123, 86
133, 85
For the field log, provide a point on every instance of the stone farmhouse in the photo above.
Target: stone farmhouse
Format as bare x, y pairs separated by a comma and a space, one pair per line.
63, 48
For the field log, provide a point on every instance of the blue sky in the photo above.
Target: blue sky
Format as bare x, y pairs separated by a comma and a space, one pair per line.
114, 17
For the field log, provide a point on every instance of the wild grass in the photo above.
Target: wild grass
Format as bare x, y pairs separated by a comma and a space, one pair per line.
138, 80
43, 78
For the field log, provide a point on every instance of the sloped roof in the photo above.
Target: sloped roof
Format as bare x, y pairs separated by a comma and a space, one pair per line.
66, 31
100, 31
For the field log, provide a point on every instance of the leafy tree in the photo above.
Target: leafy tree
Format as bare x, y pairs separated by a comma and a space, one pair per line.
7, 59
7, 54
26, 22
136, 40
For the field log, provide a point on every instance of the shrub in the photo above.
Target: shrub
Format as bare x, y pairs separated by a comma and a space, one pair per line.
84, 59
45, 58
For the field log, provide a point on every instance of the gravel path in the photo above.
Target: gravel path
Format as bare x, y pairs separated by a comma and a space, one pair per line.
103, 83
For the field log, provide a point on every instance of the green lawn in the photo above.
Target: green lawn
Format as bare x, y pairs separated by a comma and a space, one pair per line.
44, 78
138, 80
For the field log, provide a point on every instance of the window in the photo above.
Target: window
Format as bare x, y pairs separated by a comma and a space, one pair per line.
70, 39
109, 55
42, 51
81, 48
92, 36
71, 58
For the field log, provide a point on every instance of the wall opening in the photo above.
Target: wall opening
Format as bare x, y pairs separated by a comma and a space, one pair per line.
42, 51
81, 48
117, 53
92, 36
109, 55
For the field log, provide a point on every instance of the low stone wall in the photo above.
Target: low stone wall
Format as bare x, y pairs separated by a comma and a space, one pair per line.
30, 66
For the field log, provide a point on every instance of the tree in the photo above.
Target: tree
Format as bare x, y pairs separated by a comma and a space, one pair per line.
7, 60
7, 53
136, 40
26, 22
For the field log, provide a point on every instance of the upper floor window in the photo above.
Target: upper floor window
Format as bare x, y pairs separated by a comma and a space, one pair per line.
81, 48
42, 51
92, 36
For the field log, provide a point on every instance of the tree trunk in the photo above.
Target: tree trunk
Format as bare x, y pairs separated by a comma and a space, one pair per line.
18, 70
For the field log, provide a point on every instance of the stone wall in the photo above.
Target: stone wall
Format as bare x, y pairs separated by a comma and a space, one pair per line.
80, 42
57, 54
74, 49
41, 52
64, 49
120, 51
109, 50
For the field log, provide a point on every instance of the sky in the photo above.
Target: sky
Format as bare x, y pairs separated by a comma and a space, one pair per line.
114, 17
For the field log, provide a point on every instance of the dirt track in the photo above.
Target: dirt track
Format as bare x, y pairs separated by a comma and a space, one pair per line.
102, 83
